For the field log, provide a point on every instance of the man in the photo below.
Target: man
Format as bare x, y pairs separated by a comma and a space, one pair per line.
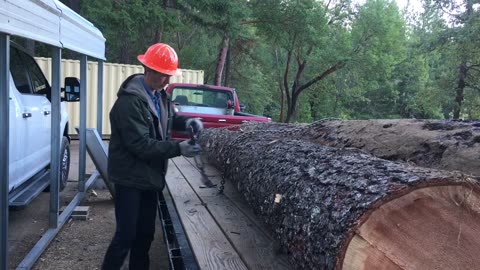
138, 155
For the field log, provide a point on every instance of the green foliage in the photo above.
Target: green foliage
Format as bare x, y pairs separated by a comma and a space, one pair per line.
451, 32
129, 26
384, 67
221, 15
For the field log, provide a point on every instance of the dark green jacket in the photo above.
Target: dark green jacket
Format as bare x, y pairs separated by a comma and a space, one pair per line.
139, 149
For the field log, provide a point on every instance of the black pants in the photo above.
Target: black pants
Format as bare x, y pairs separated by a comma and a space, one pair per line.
135, 213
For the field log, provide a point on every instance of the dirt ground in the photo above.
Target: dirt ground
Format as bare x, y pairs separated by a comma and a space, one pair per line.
80, 244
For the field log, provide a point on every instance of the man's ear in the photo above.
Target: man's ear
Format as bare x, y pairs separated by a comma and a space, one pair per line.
146, 70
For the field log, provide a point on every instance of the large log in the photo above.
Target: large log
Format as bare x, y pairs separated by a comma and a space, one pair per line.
333, 208
439, 144
448, 145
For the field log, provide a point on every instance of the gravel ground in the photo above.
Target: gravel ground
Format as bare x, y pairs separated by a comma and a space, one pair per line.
80, 244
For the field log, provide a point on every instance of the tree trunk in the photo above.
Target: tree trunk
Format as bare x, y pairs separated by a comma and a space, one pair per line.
282, 101
290, 113
292, 108
462, 75
228, 66
337, 208
222, 56
158, 36
280, 87
437, 144
448, 145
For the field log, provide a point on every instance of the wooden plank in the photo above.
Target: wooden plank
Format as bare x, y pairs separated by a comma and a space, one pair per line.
249, 236
237, 198
211, 248
191, 173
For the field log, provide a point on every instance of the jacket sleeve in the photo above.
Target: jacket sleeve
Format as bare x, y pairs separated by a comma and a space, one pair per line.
133, 124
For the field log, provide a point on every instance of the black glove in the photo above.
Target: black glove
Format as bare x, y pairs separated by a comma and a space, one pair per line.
189, 150
194, 123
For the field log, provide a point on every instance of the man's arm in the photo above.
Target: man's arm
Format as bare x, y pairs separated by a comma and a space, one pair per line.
135, 133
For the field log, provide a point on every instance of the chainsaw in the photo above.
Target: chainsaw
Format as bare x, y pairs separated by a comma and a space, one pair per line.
194, 137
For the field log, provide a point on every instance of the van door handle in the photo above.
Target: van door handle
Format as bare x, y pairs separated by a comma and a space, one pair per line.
27, 115
46, 112
222, 120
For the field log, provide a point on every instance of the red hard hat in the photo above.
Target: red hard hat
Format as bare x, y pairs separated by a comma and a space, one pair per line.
162, 58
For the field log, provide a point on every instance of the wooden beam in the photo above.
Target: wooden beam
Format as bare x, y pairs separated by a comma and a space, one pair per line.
210, 246
241, 226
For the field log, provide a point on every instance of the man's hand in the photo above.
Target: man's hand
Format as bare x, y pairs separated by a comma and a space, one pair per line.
196, 124
189, 150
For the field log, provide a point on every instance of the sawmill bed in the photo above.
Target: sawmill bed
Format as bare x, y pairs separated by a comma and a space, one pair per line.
221, 229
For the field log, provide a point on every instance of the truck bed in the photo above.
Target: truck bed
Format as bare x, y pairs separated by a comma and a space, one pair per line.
222, 231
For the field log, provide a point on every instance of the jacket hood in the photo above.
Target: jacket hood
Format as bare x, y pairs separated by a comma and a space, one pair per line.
133, 85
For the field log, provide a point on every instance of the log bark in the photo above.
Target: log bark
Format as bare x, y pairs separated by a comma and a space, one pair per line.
341, 208
438, 144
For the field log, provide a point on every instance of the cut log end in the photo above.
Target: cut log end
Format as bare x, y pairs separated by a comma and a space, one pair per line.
428, 228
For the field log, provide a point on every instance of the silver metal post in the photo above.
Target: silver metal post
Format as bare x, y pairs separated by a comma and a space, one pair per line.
4, 145
55, 138
83, 124
100, 97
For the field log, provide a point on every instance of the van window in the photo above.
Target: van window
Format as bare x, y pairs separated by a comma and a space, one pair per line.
19, 73
40, 84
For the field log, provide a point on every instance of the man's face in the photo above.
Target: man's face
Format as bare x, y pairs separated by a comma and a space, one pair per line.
156, 80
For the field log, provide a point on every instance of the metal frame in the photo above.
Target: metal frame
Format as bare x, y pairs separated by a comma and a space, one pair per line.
83, 123
55, 221
4, 143
179, 251
42, 244
55, 138
60, 20
180, 254
100, 98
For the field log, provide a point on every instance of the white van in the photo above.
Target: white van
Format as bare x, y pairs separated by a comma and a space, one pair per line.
30, 129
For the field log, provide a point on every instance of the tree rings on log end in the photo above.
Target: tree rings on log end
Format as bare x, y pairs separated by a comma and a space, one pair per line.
428, 228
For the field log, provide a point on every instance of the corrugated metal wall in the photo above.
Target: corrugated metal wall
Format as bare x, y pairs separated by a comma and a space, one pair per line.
113, 76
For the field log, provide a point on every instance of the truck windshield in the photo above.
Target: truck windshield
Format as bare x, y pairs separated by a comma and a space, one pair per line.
201, 97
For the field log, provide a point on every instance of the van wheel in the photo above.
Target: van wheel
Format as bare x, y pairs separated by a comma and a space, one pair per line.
64, 162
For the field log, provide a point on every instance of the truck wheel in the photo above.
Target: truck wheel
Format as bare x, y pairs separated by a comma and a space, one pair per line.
64, 162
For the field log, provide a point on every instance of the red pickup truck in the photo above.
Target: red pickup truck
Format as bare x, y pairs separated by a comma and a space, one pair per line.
215, 106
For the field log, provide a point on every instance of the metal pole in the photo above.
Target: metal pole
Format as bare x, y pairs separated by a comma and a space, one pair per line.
100, 97
55, 138
4, 146
42, 244
83, 123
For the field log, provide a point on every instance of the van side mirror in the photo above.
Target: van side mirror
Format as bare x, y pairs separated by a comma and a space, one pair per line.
72, 89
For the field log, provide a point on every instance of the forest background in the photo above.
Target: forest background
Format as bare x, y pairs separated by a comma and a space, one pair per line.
304, 60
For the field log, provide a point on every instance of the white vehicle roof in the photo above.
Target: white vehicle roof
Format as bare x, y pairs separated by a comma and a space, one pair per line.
51, 22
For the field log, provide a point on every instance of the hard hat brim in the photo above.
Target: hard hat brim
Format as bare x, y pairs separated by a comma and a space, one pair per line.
142, 60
